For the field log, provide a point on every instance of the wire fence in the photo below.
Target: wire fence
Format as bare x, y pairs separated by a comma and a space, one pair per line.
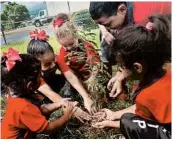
12, 32
10, 25
81, 19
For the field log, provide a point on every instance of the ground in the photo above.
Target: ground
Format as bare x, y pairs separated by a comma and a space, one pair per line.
74, 129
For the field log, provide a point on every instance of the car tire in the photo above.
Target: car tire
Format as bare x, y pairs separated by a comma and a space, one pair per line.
38, 23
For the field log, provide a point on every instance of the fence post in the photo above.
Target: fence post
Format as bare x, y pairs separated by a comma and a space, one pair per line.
2, 30
68, 7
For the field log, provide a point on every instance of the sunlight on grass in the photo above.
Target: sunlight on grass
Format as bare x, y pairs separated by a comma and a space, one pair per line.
22, 46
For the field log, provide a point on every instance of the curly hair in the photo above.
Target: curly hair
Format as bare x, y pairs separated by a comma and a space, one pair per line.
26, 70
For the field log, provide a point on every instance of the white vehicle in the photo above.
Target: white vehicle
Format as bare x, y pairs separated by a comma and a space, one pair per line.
53, 8
42, 18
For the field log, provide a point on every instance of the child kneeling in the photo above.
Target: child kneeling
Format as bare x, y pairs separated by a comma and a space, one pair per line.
24, 115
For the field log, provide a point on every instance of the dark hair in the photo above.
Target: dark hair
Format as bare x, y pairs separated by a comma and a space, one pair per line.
138, 44
26, 70
100, 9
37, 47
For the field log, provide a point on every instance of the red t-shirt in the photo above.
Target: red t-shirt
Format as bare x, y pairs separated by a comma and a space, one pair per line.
63, 62
141, 10
154, 102
22, 119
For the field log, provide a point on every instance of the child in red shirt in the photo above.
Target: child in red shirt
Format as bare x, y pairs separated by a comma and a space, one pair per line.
80, 63
141, 52
53, 85
24, 115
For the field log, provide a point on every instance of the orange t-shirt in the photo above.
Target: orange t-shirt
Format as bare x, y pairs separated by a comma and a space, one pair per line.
154, 102
22, 119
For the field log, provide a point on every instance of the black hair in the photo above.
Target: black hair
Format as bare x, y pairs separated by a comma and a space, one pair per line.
22, 72
38, 47
100, 9
139, 44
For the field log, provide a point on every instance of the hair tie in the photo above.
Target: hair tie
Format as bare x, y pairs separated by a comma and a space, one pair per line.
39, 35
11, 57
58, 22
149, 26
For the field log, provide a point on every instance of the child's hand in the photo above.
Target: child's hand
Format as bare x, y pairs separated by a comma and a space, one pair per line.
63, 102
105, 113
108, 37
116, 89
81, 115
106, 123
89, 106
113, 80
68, 109
115, 84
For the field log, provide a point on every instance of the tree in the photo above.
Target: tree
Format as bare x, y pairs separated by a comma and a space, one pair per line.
15, 13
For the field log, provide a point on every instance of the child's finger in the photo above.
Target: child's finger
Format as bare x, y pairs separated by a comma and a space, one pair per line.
80, 119
109, 86
98, 114
116, 94
93, 110
66, 99
86, 116
75, 103
98, 125
113, 90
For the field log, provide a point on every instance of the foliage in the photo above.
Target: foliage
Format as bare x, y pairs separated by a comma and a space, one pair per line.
83, 20
14, 14
87, 29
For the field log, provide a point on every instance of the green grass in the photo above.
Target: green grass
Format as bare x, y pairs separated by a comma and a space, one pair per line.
22, 46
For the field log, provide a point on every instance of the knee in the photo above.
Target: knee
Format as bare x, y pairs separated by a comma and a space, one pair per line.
126, 125
126, 118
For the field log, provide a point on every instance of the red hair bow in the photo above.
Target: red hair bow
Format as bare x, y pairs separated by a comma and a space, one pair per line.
12, 56
39, 35
58, 22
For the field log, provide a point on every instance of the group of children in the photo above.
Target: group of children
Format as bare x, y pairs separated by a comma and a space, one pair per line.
139, 51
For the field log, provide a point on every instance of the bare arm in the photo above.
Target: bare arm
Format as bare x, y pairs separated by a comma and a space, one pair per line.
54, 97
75, 82
58, 123
48, 92
106, 35
47, 109
102, 28
130, 109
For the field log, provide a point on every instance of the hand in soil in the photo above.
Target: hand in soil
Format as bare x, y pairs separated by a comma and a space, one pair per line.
89, 106
106, 123
106, 113
81, 115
